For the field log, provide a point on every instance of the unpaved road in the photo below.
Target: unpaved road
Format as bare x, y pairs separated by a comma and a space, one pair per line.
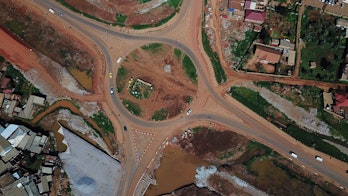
184, 33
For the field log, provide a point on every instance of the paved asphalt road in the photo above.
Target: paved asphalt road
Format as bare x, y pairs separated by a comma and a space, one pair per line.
259, 132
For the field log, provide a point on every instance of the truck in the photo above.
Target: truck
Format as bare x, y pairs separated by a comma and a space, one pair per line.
119, 60
51, 10
318, 158
293, 154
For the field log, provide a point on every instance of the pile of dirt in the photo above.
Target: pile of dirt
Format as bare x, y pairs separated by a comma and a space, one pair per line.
132, 10
212, 145
47, 39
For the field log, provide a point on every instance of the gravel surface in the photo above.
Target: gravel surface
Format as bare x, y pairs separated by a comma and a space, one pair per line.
90, 171
302, 117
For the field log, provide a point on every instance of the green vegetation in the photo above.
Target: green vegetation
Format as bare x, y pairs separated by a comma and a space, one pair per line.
32, 163
188, 99
314, 140
16, 26
255, 102
325, 44
120, 18
174, 3
251, 99
177, 53
165, 20
143, 1
189, 69
219, 72
120, 78
337, 127
154, 48
142, 26
242, 49
21, 85
226, 155
103, 122
2, 59
132, 107
160, 114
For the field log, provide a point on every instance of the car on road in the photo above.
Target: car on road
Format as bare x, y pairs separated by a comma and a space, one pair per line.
119, 60
112, 90
189, 111
318, 158
293, 154
110, 75
51, 10
61, 14
124, 128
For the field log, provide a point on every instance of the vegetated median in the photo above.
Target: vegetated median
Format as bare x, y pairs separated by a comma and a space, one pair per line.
189, 69
254, 101
219, 72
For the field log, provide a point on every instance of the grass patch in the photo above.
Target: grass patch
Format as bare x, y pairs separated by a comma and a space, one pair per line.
142, 26
177, 53
132, 107
251, 99
160, 114
226, 155
154, 48
174, 3
219, 72
189, 69
314, 140
143, 1
103, 122
242, 49
122, 74
120, 18
16, 26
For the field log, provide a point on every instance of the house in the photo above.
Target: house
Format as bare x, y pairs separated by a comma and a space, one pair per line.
253, 16
286, 44
291, 57
43, 185
4, 82
254, 5
4, 167
28, 110
341, 106
47, 170
267, 55
5, 146
312, 65
344, 76
341, 22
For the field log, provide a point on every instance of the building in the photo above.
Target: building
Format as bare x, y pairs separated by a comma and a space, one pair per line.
33, 100
341, 106
5, 146
254, 5
286, 44
341, 22
267, 55
344, 76
253, 16
291, 57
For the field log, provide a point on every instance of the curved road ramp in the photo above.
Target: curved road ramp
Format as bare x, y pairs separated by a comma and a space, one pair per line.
90, 171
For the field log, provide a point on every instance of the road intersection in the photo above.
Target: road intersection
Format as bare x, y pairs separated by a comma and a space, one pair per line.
184, 33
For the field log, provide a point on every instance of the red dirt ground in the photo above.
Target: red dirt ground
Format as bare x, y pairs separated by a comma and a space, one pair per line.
107, 10
170, 89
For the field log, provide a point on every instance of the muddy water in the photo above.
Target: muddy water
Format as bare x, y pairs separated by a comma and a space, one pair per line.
176, 170
82, 78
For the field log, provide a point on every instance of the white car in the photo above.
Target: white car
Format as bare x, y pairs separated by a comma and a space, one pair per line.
119, 60
189, 111
318, 158
293, 154
51, 10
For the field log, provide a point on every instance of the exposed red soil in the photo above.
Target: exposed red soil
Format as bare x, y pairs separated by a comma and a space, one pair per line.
170, 89
107, 10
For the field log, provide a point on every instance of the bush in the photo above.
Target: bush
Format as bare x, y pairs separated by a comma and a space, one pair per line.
189, 69
160, 114
132, 107
153, 47
103, 122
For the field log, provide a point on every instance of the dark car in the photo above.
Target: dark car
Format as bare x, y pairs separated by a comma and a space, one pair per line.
124, 128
